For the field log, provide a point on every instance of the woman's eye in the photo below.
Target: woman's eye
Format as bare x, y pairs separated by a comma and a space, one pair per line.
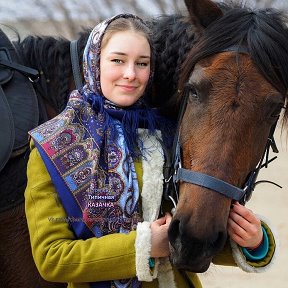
117, 61
142, 64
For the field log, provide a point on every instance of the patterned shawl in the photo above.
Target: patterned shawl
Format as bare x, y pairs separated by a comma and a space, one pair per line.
88, 150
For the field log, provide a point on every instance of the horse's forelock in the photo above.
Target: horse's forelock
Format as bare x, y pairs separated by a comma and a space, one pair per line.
264, 34
268, 45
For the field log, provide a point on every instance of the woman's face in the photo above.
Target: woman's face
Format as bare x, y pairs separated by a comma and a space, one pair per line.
125, 67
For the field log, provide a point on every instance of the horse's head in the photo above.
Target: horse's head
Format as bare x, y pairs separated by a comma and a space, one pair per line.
236, 80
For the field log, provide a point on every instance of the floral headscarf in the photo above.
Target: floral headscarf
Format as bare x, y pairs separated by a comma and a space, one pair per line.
131, 118
91, 57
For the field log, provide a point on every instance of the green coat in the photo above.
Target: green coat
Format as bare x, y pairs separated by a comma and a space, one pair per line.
60, 257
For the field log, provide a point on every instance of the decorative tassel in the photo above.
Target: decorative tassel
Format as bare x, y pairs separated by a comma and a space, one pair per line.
131, 118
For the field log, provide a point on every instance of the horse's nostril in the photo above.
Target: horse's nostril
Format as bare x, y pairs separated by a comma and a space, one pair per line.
173, 231
220, 240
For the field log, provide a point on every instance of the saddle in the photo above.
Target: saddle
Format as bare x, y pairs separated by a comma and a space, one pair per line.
18, 102
19, 113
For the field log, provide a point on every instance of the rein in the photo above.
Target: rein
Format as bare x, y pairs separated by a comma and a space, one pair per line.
173, 171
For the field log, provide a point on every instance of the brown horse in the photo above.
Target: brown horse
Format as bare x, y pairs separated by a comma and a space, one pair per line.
233, 84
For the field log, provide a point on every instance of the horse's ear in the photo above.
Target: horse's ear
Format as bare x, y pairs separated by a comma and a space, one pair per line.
203, 13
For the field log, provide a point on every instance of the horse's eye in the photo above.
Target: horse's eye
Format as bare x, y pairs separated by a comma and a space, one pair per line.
276, 113
193, 94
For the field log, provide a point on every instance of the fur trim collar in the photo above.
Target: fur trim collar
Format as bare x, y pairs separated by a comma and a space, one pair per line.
152, 163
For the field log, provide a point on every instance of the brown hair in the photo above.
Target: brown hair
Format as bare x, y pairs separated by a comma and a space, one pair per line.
126, 24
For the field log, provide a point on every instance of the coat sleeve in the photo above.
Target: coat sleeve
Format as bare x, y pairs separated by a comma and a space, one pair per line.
232, 254
58, 255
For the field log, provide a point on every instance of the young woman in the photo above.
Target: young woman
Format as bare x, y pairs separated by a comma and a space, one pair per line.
95, 176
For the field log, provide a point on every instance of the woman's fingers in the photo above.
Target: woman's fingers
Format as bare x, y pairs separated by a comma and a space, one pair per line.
244, 227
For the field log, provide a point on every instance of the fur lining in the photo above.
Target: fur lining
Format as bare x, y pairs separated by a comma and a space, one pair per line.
143, 248
152, 163
240, 259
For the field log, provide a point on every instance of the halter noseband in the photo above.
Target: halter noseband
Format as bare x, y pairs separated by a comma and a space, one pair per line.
173, 171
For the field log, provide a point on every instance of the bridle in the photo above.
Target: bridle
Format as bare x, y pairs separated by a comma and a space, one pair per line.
174, 172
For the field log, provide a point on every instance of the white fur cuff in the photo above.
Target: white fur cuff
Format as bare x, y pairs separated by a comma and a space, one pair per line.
240, 259
143, 249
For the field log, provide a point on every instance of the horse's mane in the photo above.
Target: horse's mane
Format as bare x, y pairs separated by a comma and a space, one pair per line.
172, 39
263, 32
51, 57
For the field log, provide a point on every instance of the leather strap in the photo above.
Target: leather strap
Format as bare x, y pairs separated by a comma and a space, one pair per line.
31, 73
210, 182
75, 64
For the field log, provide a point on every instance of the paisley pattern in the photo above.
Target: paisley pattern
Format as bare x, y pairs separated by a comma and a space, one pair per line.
98, 171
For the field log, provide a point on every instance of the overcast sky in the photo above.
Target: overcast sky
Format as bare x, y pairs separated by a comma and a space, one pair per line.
12, 9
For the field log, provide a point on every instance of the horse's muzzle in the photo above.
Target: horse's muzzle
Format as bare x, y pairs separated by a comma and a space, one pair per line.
183, 262
190, 252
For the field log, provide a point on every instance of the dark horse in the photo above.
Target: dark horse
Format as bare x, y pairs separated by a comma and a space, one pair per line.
223, 72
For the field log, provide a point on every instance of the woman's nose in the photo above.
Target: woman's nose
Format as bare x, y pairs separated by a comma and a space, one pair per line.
129, 72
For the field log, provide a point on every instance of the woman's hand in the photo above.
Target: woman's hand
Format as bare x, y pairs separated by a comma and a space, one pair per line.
159, 237
244, 227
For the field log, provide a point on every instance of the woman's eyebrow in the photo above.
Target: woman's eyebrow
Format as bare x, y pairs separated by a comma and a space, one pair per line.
124, 54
